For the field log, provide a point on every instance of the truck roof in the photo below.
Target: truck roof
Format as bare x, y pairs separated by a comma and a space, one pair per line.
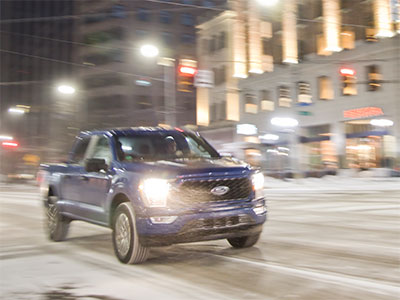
131, 130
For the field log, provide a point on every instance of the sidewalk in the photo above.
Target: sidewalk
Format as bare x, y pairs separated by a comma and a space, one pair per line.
333, 184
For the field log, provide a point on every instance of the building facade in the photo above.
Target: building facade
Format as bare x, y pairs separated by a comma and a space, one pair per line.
37, 54
120, 86
310, 44
338, 116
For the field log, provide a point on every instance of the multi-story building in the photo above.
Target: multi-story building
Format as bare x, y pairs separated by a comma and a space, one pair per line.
36, 55
310, 42
120, 87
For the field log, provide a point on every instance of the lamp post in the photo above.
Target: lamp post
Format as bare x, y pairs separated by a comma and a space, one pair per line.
169, 68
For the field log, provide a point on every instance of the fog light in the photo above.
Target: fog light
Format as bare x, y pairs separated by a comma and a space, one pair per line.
163, 220
260, 209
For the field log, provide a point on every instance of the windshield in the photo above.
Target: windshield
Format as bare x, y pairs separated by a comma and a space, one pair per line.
152, 146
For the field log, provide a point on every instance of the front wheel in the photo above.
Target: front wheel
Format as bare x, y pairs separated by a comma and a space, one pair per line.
126, 242
56, 224
244, 241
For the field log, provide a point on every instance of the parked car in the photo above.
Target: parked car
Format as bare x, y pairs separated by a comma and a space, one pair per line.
153, 187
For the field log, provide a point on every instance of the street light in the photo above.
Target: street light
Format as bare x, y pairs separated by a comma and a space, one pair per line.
284, 122
16, 110
6, 138
267, 2
149, 50
169, 80
66, 89
381, 122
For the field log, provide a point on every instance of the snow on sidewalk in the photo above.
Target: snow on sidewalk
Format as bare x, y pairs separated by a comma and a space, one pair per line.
334, 184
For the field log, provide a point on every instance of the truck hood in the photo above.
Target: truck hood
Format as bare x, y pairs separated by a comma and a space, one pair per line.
190, 167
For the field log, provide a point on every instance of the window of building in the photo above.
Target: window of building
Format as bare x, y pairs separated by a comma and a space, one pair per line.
102, 80
188, 38
105, 58
325, 88
222, 110
141, 34
116, 33
95, 17
267, 46
267, 104
212, 47
204, 46
222, 74
118, 11
213, 112
105, 103
219, 75
143, 14
349, 85
144, 102
208, 3
187, 19
251, 106
165, 17
347, 39
284, 98
167, 38
317, 9
374, 78
222, 40
304, 92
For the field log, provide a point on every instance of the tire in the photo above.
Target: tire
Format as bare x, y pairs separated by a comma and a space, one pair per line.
125, 238
244, 241
56, 224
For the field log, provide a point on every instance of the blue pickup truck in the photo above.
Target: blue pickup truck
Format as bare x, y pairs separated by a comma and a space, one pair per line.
153, 187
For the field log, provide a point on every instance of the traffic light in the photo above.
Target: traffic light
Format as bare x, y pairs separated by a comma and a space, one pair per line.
348, 81
187, 70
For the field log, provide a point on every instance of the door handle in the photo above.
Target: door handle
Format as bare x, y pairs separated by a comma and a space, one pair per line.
85, 178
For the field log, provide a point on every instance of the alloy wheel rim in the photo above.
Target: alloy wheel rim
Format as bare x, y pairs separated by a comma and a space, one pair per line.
122, 234
52, 217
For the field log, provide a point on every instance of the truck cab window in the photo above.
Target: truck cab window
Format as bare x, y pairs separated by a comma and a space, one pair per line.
102, 150
79, 150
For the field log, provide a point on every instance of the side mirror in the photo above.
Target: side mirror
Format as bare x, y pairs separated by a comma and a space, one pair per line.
95, 165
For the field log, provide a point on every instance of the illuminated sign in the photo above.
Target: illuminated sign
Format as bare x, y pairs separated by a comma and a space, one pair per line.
246, 129
363, 112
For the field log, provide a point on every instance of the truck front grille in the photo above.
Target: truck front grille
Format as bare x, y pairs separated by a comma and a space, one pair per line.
198, 191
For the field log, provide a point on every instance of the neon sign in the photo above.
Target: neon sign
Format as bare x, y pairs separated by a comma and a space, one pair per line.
363, 112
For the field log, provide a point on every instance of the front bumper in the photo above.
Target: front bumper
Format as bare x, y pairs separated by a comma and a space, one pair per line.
225, 221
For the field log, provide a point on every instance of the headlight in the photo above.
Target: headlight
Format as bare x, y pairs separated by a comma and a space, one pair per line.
154, 192
258, 181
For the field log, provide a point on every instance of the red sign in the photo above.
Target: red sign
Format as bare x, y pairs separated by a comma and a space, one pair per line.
187, 71
10, 144
347, 72
363, 112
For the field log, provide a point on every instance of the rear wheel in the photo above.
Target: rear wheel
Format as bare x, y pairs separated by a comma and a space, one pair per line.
244, 241
56, 224
126, 242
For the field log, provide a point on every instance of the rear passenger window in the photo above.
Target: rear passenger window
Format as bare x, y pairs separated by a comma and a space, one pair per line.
80, 148
102, 149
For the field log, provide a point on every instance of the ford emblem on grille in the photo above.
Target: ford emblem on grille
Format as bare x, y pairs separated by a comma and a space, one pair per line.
220, 190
